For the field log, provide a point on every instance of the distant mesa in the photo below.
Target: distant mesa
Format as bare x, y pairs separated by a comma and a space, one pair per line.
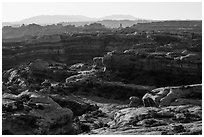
115, 20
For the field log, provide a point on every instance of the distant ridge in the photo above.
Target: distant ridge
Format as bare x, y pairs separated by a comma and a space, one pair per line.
54, 19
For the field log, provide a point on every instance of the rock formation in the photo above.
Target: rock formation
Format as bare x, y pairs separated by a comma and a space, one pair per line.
167, 96
134, 101
155, 121
34, 113
148, 83
162, 68
43, 102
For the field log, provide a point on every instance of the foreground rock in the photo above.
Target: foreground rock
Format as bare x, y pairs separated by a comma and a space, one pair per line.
180, 95
36, 100
34, 113
180, 120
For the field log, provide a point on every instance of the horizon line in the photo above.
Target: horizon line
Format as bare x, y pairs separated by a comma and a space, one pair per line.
98, 18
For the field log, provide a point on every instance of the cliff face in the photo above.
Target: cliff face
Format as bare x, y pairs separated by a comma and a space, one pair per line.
162, 69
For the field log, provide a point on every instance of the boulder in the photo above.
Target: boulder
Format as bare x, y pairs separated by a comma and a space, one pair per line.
174, 96
134, 101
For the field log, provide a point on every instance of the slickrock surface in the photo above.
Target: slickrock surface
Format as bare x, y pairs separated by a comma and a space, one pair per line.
156, 121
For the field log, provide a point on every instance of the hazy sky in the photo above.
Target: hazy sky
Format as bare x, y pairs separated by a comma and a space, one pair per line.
156, 10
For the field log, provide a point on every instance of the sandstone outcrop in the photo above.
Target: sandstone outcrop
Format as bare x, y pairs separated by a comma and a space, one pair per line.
154, 61
159, 68
167, 96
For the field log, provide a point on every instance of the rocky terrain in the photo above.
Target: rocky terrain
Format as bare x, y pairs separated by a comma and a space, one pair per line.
51, 98
116, 82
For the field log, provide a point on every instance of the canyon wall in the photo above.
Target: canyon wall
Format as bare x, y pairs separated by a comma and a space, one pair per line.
63, 48
156, 69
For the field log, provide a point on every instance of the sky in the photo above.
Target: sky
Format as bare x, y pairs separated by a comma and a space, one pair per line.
150, 10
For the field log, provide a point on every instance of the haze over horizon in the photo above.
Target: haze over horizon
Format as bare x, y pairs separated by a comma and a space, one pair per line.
152, 11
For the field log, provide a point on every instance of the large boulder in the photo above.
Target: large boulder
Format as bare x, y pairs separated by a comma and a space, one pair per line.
34, 113
166, 96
